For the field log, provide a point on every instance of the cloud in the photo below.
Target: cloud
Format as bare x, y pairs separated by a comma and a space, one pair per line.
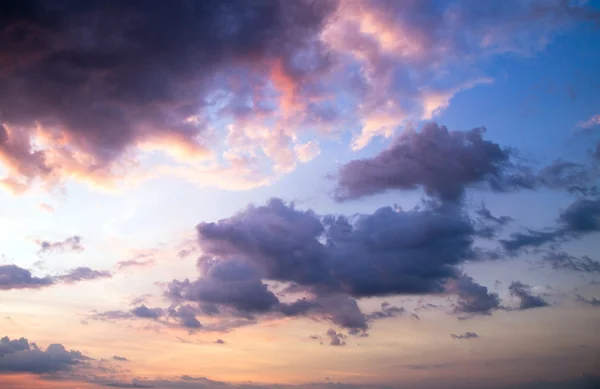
144, 311
71, 131
14, 277
473, 298
387, 311
82, 274
466, 335
445, 163
580, 218
219, 341
20, 356
591, 122
242, 69
330, 254
72, 243
527, 299
120, 359
442, 162
336, 338
560, 260
591, 301
135, 263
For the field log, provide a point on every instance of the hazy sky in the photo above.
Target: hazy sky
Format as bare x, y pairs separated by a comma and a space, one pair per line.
299, 194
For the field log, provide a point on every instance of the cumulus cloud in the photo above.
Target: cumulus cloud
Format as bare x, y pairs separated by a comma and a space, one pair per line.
14, 277
526, 299
473, 298
445, 163
21, 356
72, 243
77, 103
442, 162
336, 338
466, 335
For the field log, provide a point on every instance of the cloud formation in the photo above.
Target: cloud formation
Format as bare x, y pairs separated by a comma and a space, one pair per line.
526, 299
466, 335
20, 356
72, 243
582, 217
14, 277
442, 162
77, 103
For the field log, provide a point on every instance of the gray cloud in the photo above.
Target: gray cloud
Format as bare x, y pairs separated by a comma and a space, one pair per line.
442, 162
560, 260
120, 359
72, 243
473, 298
466, 335
336, 338
591, 301
581, 217
527, 299
20, 356
82, 274
14, 277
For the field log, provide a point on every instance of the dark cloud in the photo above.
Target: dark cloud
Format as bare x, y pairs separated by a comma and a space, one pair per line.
384, 253
82, 274
72, 243
466, 335
473, 298
333, 259
219, 341
336, 338
120, 359
229, 283
591, 301
442, 162
14, 277
150, 313
21, 356
488, 225
526, 298
564, 174
580, 218
560, 260
186, 315
387, 311
65, 70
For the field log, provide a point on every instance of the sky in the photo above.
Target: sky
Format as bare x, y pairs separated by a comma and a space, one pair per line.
294, 194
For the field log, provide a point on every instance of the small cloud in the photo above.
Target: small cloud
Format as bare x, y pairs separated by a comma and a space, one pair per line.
121, 359
591, 301
589, 123
72, 243
466, 335
336, 338
527, 299
219, 341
